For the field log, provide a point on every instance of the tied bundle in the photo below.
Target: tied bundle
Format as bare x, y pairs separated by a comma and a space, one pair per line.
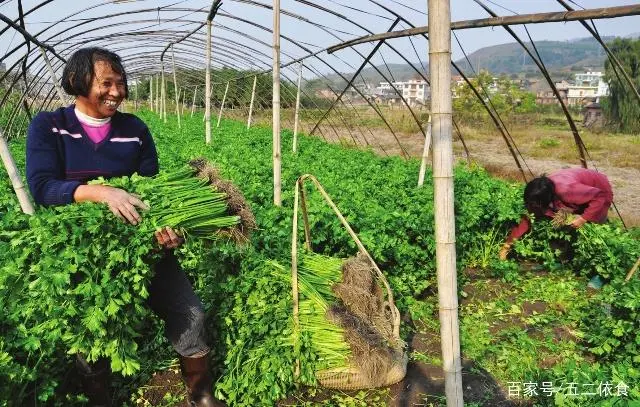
193, 200
342, 307
366, 320
563, 217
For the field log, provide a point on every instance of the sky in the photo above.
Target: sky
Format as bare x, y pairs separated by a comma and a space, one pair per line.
366, 17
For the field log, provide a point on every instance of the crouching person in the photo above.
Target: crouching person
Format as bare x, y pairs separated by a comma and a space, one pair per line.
581, 191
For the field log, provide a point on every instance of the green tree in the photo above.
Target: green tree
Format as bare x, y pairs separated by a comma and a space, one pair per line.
621, 107
505, 96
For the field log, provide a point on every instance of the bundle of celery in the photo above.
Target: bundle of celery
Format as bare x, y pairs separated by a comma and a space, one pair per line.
262, 352
317, 275
342, 309
185, 201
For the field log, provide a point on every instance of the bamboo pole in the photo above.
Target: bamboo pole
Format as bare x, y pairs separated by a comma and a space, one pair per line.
632, 271
253, 97
296, 122
425, 154
135, 102
158, 106
151, 93
184, 97
537, 18
14, 176
193, 103
175, 86
163, 99
178, 102
224, 98
441, 112
277, 182
54, 79
207, 87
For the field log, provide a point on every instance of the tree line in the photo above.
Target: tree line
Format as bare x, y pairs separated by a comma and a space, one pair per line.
190, 81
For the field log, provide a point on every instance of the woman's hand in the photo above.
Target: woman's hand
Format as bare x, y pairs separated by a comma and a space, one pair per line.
504, 251
120, 202
578, 222
168, 239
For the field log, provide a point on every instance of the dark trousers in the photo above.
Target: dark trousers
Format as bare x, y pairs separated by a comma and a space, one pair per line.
172, 298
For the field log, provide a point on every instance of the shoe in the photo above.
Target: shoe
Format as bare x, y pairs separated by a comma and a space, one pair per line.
197, 377
95, 379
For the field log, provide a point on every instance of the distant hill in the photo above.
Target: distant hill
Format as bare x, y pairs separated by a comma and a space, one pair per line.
558, 56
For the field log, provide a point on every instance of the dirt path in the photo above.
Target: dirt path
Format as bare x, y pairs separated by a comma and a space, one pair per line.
493, 155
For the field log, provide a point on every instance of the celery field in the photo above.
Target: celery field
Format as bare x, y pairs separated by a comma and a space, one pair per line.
532, 333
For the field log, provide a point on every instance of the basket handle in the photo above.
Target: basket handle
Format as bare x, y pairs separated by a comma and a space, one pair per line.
299, 193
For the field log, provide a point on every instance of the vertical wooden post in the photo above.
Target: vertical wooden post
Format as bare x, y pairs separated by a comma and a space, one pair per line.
16, 181
253, 96
277, 183
224, 98
439, 13
158, 107
54, 79
193, 104
425, 154
296, 122
204, 116
207, 87
135, 102
163, 100
184, 97
175, 86
151, 93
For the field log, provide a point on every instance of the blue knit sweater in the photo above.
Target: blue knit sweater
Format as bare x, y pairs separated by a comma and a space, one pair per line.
60, 155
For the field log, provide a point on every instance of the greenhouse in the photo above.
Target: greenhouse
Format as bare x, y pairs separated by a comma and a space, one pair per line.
319, 203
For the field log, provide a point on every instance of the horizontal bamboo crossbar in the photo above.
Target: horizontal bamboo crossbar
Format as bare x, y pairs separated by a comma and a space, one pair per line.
537, 18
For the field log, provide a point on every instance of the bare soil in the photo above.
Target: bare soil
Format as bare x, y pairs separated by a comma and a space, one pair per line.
164, 386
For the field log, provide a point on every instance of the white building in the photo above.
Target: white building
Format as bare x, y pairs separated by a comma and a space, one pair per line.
415, 91
587, 87
588, 78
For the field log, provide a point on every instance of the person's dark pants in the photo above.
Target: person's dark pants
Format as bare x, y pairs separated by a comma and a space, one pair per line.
172, 298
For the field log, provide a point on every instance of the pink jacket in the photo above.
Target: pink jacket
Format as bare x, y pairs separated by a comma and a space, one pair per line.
582, 191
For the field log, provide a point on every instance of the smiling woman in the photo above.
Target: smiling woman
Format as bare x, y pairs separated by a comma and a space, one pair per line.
67, 148
98, 80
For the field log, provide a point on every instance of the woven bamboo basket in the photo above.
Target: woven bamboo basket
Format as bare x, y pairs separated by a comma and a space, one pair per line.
351, 377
